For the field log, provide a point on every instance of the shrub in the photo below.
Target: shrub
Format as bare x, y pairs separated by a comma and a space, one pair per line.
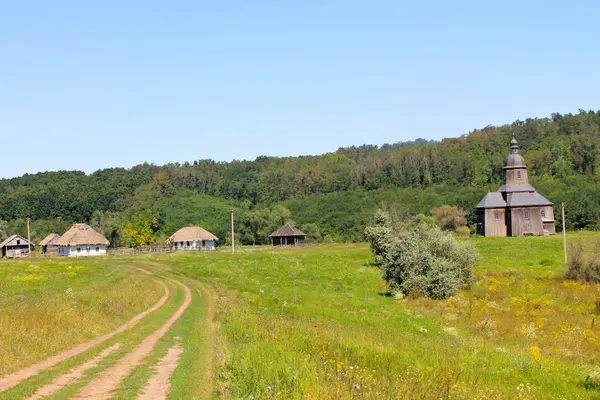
449, 218
418, 257
463, 231
580, 269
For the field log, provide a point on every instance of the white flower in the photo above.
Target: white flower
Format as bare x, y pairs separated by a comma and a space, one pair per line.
423, 330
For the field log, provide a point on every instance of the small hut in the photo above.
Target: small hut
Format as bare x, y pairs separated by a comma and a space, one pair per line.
15, 246
288, 235
193, 238
48, 244
81, 241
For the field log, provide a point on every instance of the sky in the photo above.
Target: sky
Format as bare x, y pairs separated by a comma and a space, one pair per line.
92, 85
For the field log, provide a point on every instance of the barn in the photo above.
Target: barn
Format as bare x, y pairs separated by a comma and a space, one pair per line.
193, 238
15, 246
81, 241
516, 209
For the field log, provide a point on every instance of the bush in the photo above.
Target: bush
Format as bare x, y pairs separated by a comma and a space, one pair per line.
463, 231
417, 257
578, 269
449, 218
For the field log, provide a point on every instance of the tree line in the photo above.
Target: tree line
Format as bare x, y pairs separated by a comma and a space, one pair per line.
336, 192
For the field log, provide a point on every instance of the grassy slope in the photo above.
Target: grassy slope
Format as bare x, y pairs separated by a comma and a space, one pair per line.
312, 323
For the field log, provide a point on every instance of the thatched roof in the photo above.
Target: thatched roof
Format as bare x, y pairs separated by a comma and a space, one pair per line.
191, 234
81, 235
287, 230
50, 239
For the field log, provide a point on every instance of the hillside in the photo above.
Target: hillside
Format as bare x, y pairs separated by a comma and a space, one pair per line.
334, 191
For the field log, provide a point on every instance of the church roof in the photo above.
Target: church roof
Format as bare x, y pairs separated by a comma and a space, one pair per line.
492, 200
514, 159
525, 199
516, 187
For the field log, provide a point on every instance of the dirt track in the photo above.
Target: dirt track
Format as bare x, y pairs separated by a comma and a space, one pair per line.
15, 378
104, 385
109, 380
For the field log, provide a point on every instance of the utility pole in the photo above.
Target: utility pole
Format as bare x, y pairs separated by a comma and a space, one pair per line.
564, 232
232, 233
28, 238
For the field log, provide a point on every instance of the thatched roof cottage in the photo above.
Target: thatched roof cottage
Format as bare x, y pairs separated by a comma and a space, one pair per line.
82, 241
288, 235
193, 238
48, 244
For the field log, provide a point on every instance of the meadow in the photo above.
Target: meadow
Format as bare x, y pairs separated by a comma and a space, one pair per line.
317, 323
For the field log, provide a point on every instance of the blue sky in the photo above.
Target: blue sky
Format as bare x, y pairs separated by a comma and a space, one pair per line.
116, 83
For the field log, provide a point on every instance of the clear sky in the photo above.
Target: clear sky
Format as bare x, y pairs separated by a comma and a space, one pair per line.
116, 83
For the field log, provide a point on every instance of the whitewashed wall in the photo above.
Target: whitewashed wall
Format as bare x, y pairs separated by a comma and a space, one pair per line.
208, 245
82, 251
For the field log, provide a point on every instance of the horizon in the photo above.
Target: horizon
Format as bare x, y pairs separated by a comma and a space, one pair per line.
89, 87
181, 162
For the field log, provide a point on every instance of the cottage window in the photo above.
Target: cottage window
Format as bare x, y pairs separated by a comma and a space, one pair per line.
18, 242
526, 214
203, 243
496, 215
97, 249
188, 244
518, 174
543, 212
79, 249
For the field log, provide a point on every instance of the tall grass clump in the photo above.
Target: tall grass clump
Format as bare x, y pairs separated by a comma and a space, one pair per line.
418, 258
580, 268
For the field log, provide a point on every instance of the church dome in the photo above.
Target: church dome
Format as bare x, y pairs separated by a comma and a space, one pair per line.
514, 161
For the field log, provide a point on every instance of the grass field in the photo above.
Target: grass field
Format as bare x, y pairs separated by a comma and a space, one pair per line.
311, 323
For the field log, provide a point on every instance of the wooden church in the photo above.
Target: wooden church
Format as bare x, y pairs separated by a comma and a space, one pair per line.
516, 209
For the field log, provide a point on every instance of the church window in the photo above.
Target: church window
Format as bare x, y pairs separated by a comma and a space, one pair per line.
526, 214
518, 174
496, 215
543, 212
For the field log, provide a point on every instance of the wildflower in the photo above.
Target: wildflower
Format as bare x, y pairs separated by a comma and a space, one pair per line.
269, 388
500, 350
357, 386
536, 353
351, 367
423, 330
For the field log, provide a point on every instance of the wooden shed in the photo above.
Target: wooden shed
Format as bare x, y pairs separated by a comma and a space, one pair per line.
15, 246
49, 246
193, 238
288, 235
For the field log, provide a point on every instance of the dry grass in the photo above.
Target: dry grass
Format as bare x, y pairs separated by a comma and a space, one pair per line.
48, 306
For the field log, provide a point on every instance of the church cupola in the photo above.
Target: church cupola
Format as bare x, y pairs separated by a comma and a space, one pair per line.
515, 169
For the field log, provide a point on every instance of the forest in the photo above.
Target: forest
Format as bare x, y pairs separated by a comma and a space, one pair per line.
331, 196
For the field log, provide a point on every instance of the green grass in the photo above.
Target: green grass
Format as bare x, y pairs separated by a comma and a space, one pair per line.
316, 323
295, 320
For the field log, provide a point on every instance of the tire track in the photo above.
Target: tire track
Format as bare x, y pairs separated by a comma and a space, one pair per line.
159, 384
73, 375
109, 380
12, 380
